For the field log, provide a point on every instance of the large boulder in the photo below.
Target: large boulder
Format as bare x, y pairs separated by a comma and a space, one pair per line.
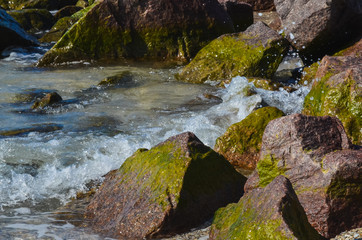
170, 188
273, 212
153, 30
15, 35
255, 52
318, 27
33, 20
240, 13
317, 156
337, 91
241, 142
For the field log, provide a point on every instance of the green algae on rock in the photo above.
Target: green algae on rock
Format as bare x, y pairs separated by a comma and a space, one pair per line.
337, 92
114, 30
273, 212
256, 52
241, 143
170, 188
33, 20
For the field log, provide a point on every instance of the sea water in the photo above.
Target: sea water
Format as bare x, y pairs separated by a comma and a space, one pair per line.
98, 128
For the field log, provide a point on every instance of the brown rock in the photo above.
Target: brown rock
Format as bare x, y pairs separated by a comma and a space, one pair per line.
257, 5
47, 100
273, 212
172, 187
67, 11
240, 13
318, 27
315, 154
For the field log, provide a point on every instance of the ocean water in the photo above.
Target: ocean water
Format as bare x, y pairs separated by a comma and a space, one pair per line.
63, 149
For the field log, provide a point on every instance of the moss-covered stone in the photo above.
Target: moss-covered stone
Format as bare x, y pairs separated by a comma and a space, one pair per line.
338, 93
140, 31
33, 20
270, 213
241, 143
256, 52
48, 100
44, 4
62, 26
170, 188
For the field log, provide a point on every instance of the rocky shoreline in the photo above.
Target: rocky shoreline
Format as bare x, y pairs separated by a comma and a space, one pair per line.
271, 175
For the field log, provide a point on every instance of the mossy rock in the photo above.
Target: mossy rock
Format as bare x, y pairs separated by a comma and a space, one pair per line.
48, 100
67, 11
338, 93
170, 188
62, 26
270, 213
33, 20
140, 31
45, 4
241, 143
257, 52
122, 79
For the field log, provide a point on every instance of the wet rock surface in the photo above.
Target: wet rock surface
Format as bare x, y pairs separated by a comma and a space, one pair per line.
15, 35
318, 158
171, 188
240, 13
255, 52
273, 212
33, 20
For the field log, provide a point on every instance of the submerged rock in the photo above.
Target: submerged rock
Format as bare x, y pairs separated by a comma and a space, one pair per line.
273, 212
168, 189
318, 27
155, 30
337, 91
15, 35
315, 154
241, 143
48, 100
121, 79
33, 20
27, 130
256, 52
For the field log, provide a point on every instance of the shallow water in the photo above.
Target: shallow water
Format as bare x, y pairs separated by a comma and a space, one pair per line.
96, 130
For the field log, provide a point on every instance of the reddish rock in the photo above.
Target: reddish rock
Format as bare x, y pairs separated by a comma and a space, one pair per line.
337, 91
273, 212
172, 187
317, 157
318, 27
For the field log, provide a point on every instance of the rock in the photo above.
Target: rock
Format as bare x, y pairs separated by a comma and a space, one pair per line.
257, 5
122, 79
67, 11
130, 29
337, 91
82, 3
62, 26
256, 52
45, 4
15, 35
270, 18
273, 212
318, 27
168, 189
34, 128
316, 155
48, 100
33, 20
241, 13
241, 143
30, 95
